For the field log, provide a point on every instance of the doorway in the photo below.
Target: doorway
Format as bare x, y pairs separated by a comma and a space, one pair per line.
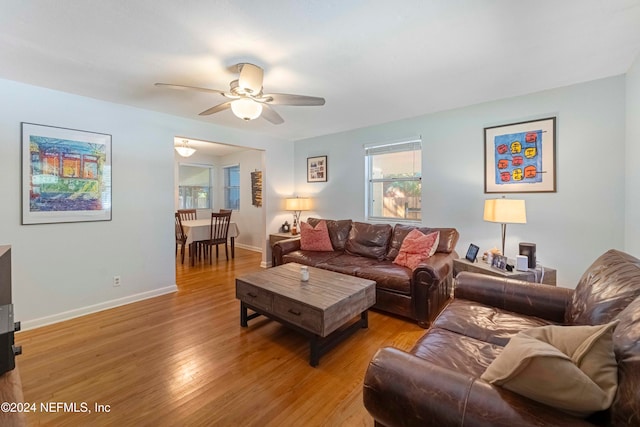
218, 176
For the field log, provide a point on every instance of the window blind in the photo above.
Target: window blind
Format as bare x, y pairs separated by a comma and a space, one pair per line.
393, 147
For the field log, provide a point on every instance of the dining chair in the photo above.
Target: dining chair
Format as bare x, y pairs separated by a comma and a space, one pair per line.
187, 214
219, 233
181, 238
229, 211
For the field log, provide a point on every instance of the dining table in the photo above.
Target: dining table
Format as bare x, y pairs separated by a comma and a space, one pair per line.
200, 229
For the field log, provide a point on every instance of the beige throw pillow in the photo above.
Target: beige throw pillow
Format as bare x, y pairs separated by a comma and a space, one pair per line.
572, 368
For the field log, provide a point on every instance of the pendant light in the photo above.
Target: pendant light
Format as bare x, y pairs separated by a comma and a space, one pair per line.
184, 150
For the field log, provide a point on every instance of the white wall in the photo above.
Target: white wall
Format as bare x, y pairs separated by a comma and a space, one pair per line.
571, 227
632, 211
249, 218
65, 270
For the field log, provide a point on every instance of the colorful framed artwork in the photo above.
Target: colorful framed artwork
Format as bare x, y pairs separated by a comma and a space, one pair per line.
317, 169
520, 157
66, 175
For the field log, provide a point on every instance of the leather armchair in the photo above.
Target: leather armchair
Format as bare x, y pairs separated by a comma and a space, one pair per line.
438, 381
404, 390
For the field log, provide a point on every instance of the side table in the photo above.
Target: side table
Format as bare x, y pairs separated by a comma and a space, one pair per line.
532, 275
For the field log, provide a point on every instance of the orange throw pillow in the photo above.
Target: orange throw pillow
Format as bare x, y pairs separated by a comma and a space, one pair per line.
416, 248
315, 239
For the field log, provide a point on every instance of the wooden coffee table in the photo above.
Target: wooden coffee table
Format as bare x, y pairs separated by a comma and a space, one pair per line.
318, 308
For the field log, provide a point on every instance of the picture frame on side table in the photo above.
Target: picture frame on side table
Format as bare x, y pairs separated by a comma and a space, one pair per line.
520, 157
499, 262
317, 169
472, 253
66, 175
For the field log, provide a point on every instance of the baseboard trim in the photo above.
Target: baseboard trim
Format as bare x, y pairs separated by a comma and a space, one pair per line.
249, 248
82, 311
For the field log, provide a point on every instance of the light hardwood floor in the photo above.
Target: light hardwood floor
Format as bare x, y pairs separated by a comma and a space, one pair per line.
183, 359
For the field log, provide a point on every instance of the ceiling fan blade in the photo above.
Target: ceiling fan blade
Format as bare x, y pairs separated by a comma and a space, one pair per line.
183, 87
270, 114
251, 78
286, 99
217, 108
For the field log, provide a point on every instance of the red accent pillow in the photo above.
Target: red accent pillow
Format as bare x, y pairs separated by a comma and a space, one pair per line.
315, 238
416, 248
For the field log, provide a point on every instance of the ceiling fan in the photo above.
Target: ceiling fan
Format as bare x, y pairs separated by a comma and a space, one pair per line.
246, 97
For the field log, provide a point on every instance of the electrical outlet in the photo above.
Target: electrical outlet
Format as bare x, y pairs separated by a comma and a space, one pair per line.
116, 280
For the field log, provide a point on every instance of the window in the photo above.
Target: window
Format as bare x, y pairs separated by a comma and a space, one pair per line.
232, 187
194, 187
394, 180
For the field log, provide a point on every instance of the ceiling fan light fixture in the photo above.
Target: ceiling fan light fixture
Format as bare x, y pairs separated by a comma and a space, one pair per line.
184, 150
246, 108
246, 97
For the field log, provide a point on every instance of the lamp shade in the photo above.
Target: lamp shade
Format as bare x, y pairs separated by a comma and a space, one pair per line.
505, 211
246, 108
298, 204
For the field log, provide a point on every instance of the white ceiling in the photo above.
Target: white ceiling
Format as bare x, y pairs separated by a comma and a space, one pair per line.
374, 61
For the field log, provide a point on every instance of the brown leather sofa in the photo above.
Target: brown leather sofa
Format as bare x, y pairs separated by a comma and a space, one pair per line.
368, 250
438, 382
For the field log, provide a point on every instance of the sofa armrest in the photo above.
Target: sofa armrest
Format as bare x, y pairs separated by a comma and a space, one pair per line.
438, 266
431, 286
283, 247
403, 390
532, 299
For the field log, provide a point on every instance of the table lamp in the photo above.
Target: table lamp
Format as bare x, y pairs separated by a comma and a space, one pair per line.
505, 211
297, 205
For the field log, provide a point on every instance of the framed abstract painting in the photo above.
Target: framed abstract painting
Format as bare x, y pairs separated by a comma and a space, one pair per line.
66, 175
520, 157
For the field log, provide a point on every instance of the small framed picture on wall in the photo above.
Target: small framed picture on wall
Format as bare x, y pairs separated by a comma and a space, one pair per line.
317, 169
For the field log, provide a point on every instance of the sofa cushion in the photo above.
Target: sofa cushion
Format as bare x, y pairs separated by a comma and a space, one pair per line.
311, 258
315, 238
447, 239
388, 276
416, 248
338, 231
572, 368
605, 289
456, 351
346, 264
369, 240
484, 322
